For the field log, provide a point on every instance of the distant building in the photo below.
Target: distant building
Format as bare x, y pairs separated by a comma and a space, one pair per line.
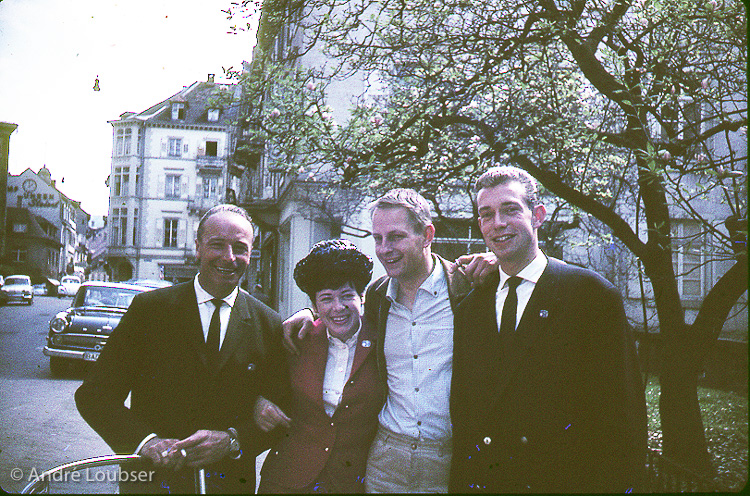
64, 221
169, 166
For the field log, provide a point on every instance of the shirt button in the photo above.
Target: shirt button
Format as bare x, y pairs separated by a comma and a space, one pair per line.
416, 389
413, 446
326, 449
415, 357
413, 324
419, 422
487, 440
331, 424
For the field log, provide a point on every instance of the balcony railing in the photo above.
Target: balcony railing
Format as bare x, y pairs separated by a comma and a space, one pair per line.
210, 165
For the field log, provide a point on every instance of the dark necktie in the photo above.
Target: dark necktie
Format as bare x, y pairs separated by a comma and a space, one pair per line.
212, 341
508, 317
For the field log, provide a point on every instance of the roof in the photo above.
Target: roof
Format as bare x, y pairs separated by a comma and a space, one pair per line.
197, 99
35, 226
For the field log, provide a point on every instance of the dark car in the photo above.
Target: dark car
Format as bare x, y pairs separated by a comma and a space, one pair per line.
80, 332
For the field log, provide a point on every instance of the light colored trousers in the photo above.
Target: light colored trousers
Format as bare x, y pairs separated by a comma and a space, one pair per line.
403, 464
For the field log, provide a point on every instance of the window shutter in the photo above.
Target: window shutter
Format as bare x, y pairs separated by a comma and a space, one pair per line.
181, 234
184, 186
163, 147
159, 232
160, 185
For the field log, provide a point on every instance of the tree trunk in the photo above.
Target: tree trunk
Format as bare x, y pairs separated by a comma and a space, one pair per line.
683, 433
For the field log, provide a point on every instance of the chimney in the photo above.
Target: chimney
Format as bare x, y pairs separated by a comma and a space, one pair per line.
211, 78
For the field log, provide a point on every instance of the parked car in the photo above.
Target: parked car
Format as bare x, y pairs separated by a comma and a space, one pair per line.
17, 288
68, 286
79, 333
151, 283
40, 289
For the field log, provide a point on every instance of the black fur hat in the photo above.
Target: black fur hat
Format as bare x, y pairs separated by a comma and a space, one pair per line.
331, 264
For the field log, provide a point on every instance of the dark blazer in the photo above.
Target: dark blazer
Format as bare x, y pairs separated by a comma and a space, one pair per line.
322, 450
157, 353
377, 305
565, 410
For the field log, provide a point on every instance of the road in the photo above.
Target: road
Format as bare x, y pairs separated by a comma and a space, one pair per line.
39, 423
40, 427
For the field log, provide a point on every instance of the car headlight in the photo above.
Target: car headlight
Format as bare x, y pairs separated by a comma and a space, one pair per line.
58, 324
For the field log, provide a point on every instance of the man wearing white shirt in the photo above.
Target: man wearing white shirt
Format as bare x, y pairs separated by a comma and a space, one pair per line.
194, 357
546, 395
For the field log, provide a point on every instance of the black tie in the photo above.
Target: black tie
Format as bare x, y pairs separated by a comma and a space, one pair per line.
212, 341
508, 318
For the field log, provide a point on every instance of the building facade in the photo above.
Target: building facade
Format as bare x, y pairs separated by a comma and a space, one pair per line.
169, 166
42, 213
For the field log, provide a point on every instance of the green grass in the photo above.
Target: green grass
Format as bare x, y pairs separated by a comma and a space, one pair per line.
725, 419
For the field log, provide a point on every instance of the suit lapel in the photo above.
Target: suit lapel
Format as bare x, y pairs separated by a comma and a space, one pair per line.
238, 328
364, 346
187, 308
310, 367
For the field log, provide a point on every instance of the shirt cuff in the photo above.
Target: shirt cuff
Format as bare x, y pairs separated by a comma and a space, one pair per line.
145, 440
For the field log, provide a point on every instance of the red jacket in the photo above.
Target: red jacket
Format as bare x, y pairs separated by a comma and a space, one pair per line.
317, 442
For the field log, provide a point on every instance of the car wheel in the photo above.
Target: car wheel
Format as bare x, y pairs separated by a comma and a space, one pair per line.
58, 366
31, 302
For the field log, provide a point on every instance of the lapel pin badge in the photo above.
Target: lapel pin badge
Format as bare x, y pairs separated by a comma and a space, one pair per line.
251, 367
543, 314
366, 343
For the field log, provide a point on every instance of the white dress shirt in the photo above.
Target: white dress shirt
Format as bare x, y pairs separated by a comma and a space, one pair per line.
338, 369
530, 276
206, 309
419, 361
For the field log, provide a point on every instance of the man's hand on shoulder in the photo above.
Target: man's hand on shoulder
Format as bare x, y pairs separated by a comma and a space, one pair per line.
476, 267
297, 326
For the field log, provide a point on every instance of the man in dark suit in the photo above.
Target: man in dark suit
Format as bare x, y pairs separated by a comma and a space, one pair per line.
546, 395
194, 358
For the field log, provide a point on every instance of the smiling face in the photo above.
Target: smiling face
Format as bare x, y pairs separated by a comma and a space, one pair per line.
404, 252
223, 252
509, 226
340, 310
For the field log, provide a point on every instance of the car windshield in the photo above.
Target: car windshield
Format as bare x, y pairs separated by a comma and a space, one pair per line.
71, 280
108, 297
16, 280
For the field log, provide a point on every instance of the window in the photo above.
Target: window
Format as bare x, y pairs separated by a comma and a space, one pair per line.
170, 232
688, 259
20, 228
682, 121
119, 225
175, 147
172, 186
210, 186
212, 148
178, 111
457, 237
213, 115
138, 141
17, 255
121, 180
123, 141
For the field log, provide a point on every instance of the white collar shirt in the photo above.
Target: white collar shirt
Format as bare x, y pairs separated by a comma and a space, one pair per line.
338, 369
206, 309
419, 361
530, 276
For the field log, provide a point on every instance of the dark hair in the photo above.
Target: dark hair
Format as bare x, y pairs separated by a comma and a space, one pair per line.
505, 174
224, 207
331, 264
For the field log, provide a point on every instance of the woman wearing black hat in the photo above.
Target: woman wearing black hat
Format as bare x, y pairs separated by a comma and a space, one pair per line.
335, 385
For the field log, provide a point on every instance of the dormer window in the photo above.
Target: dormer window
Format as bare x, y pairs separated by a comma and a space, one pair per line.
178, 111
213, 115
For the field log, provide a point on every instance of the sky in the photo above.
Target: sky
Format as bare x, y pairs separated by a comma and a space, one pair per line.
141, 51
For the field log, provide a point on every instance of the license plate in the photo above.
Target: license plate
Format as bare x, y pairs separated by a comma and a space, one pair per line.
91, 356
